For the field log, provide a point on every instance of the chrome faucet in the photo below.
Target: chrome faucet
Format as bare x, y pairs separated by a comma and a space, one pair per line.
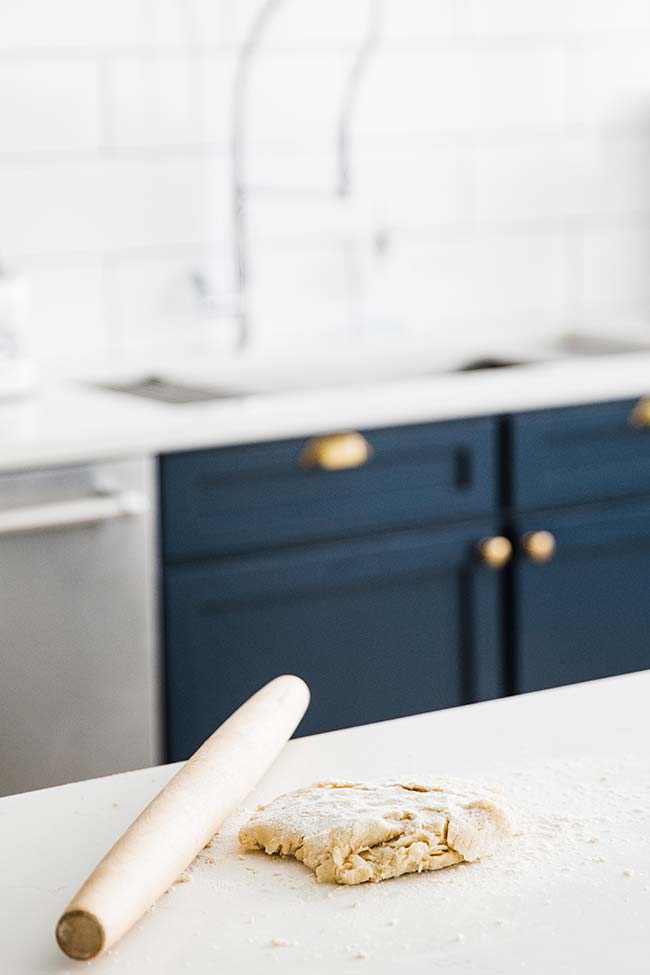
240, 193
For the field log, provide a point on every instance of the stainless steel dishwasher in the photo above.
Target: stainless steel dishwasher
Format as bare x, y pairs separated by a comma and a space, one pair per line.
78, 674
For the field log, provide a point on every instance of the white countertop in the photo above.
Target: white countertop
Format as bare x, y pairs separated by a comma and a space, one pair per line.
70, 423
571, 894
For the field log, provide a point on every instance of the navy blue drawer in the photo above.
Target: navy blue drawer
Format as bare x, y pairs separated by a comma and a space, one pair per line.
245, 498
578, 454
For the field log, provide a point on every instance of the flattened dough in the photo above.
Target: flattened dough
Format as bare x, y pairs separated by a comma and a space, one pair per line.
353, 832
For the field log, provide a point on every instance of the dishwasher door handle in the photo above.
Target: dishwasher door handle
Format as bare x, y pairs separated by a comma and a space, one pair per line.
92, 510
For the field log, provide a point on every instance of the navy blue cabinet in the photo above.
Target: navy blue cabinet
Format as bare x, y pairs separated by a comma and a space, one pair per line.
367, 581
579, 492
584, 613
379, 628
364, 581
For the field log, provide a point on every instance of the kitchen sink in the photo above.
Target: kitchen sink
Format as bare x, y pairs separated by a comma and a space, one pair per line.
165, 389
169, 391
254, 374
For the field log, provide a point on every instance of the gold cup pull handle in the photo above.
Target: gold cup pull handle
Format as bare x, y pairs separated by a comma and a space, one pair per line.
640, 415
495, 552
336, 452
539, 546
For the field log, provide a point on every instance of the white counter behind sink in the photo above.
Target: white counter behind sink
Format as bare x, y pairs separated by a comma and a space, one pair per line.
72, 422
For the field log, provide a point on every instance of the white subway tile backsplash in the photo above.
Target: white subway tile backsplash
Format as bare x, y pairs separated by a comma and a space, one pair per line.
156, 101
48, 105
615, 176
562, 177
416, 22
304, 289
111, 205
281, 173
221, 22
464, 89
540, 179
429, 186
616, 84
389, 188
417, 93
165, 23
521, 89
68, 310
493, 18
615, 274
613, 16
27, 25
491, 277
342, 22
295, 99
34, 24
529, 18
498, 173
215, 95
292, 22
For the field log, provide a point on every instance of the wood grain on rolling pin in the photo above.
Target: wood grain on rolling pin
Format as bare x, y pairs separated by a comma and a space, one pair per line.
177, 824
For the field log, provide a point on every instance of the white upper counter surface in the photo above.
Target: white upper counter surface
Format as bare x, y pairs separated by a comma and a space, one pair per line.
569, 895
68, 423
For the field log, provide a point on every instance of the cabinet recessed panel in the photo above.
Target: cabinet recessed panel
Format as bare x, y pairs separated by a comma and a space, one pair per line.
260, 496
578, 454
379, 629
584, 613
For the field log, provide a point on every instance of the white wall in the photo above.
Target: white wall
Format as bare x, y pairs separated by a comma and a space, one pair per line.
502, 146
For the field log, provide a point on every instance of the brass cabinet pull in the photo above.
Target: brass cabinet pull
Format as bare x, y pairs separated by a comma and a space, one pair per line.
539, 546
336, 452
496, 551
640, 415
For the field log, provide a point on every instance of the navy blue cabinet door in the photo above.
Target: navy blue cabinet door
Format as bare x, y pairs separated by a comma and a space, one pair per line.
585, 613
379, 628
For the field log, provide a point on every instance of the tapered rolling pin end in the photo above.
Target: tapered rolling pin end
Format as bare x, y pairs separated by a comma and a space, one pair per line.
80, 935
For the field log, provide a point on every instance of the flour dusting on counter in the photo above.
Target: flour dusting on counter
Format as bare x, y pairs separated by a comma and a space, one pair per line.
565, 807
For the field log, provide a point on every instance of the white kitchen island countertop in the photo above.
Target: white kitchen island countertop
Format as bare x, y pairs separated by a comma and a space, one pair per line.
68, 423
570, 894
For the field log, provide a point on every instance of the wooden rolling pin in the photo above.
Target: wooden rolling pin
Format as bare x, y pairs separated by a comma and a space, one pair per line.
176, 825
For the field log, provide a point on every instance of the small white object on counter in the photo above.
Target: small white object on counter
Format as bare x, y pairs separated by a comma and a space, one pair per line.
574, 760
72, 423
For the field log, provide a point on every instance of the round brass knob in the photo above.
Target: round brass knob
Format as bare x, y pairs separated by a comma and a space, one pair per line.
640, 415
336, 452
495, 551
539, 546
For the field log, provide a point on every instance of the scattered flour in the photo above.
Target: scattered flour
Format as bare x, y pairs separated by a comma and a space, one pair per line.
586, 813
